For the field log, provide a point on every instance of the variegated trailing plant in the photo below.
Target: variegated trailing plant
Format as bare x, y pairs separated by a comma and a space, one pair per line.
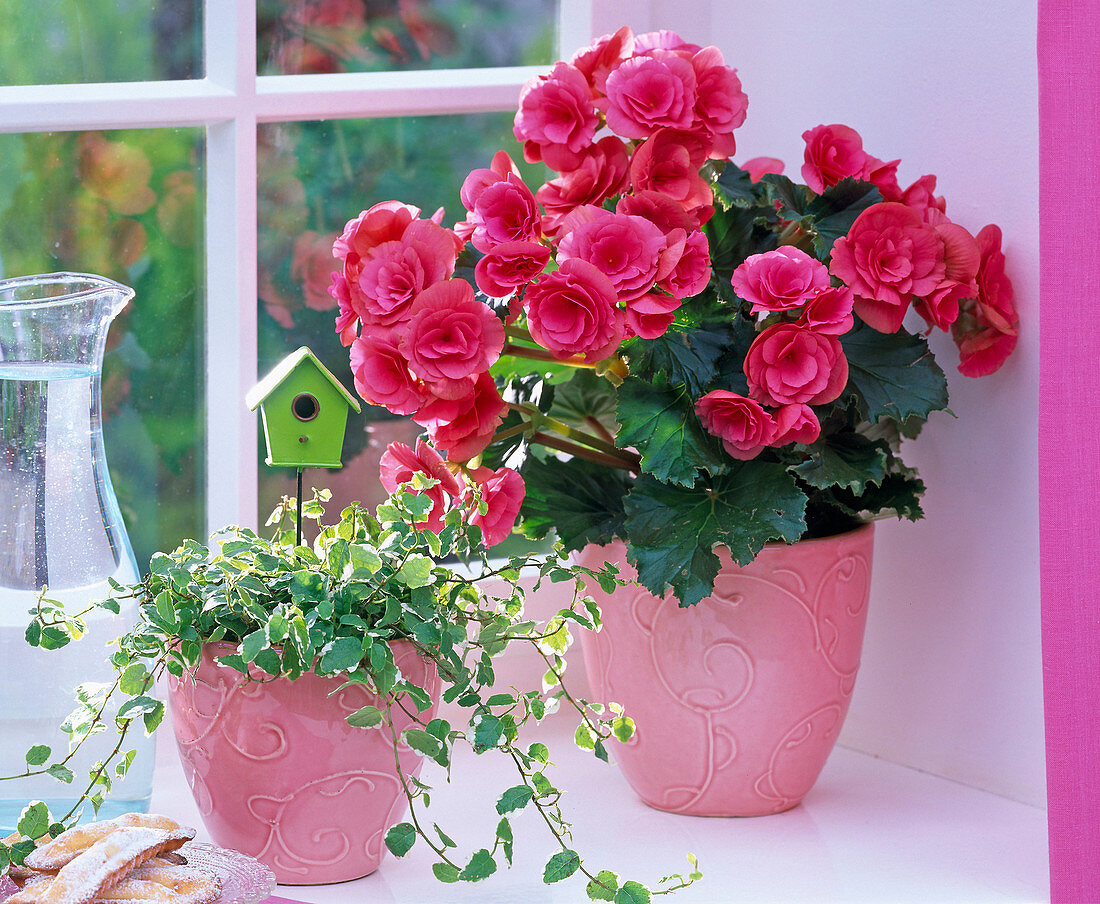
331, 608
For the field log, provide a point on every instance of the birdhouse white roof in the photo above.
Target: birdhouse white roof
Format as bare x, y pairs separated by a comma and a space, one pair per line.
284, 369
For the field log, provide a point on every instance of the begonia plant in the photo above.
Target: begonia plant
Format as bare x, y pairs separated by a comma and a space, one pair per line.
658, 344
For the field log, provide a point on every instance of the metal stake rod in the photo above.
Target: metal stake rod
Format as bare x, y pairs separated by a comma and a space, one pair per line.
298, 541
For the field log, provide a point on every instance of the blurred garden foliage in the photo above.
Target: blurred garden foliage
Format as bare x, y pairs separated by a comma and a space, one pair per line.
129, 204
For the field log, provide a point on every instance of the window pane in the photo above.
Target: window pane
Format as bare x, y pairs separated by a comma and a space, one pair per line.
48, 42
313, 178
308, 36
127, 205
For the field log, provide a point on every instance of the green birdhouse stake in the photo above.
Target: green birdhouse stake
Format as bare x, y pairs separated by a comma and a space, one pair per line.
304, 410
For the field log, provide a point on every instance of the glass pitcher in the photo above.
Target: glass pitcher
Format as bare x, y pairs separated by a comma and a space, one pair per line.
61, 528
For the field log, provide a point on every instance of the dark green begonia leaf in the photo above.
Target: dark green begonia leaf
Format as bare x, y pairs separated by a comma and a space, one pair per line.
583, 502
848, 460
660, 421
894, 374
673, 530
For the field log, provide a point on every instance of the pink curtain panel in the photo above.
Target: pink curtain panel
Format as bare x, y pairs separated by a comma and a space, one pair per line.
1069, 437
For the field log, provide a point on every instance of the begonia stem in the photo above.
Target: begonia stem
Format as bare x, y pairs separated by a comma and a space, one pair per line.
541, 354
554, 441
569, 439
588, 439
511, 431
599, 428
517, 332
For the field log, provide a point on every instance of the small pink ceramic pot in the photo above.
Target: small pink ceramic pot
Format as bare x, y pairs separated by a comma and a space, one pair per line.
278, 774
739, 700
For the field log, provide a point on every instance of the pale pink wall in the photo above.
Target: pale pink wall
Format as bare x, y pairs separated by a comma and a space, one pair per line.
951, 681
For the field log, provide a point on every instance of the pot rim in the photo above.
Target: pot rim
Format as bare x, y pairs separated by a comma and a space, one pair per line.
223, 647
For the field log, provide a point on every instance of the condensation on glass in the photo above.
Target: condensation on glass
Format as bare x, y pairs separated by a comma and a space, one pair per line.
53, 42
313, 178
312, 36
127, 205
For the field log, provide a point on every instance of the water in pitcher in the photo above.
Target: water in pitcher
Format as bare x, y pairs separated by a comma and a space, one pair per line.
59, 528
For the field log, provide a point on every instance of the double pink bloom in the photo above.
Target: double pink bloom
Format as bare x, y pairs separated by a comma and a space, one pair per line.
678, 101
905, 252
791, 365
426, 340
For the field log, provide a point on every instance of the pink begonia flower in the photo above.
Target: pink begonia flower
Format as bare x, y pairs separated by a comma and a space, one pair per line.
883, 175
983, 352
451, 337
961, 255
505, 211
399, 463
829, 311
388, 275
795, 424
382, 375
384, 222
888, 256
509, 266
693, 270
669, 163
921, 196
779, 280
647, 93
578, 216
556, 118
464, 427
744, 428
720, 104
338, 13
789, 365
986, 330
572, 312
347, 321
761, 166
602, 173
663, 40
502, 492
651, 315
596, 61
658, 208
312, 268
940, 307
501, 167
626, 249
389, 282
833, 152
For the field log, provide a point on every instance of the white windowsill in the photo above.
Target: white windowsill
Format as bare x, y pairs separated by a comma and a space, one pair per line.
870, 831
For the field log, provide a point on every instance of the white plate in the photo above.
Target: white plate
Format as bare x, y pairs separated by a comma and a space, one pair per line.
244, 879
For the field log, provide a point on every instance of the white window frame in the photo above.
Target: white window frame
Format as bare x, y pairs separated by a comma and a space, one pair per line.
229, 102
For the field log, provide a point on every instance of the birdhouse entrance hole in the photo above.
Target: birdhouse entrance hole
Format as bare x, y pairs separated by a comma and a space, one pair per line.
305, 406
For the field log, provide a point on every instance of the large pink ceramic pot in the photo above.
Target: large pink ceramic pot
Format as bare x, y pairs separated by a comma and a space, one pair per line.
739, 700
278, 773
